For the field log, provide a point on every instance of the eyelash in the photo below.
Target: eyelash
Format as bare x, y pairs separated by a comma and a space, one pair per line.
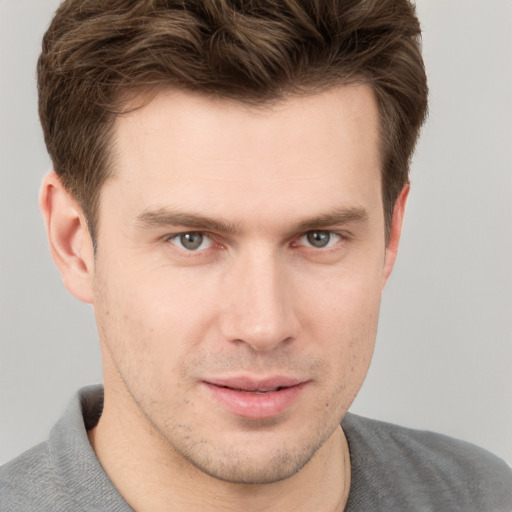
331, 234
177, 236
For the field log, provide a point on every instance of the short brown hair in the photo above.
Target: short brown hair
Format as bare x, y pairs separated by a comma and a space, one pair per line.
96, 52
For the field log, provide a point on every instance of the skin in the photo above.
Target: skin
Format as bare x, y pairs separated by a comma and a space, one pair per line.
256, 299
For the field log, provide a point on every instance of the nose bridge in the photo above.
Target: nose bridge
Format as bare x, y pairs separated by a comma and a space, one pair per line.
259, 311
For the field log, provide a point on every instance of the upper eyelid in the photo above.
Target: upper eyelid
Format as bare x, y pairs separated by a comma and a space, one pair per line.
168, 239
343, 234
330, 231
168, 236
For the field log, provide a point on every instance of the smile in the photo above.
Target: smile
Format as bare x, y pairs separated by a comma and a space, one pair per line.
255, 398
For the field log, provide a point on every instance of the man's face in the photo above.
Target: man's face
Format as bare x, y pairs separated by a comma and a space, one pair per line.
237, 281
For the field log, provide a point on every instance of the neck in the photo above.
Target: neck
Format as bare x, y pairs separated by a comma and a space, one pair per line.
151, 476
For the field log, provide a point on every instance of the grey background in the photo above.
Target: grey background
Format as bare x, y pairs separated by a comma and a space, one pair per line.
444, 351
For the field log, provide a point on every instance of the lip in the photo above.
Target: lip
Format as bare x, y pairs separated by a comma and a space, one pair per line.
256, 398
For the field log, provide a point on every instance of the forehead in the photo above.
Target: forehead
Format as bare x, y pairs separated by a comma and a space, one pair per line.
183, 149
347, 112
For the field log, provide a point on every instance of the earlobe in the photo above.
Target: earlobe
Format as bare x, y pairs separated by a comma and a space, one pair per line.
395, 232
68, 237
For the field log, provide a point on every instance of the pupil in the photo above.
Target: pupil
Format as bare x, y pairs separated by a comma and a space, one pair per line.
191, 241
318, 238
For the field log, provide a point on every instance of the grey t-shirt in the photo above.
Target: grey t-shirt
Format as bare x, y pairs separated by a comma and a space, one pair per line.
393, 469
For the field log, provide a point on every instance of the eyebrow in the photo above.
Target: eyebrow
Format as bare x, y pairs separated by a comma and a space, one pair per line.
163, 217
340, 216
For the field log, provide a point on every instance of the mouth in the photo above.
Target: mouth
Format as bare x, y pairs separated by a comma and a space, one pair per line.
257, 391
256, 398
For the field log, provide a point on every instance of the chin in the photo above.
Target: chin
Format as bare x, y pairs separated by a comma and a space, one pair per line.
248, 465
251, 473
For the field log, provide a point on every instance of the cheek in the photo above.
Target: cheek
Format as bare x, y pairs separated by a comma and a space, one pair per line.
346, 302
156, 302
151, 322
343, 319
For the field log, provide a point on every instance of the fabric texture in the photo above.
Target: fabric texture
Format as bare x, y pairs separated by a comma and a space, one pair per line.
393, 469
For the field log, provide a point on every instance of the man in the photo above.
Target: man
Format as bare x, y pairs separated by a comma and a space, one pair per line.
229, 192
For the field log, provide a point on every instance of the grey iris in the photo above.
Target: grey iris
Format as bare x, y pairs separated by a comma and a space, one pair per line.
319, 239
191, 241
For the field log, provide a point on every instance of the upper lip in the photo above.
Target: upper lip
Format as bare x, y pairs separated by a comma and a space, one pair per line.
246, 383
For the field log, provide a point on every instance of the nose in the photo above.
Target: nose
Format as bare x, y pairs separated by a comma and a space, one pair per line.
258, 302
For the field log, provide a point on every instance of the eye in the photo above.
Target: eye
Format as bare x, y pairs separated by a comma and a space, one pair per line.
191, 241
320, 239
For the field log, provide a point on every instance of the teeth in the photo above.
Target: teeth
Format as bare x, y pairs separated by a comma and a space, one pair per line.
259, 391
263, 391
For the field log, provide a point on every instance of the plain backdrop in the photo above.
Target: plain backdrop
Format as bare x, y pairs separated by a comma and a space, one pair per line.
444, 349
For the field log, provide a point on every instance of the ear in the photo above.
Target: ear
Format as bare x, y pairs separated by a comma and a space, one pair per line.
395, 232
68, 236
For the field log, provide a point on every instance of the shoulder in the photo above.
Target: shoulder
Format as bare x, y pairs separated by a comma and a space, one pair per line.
62, 474
26, 482
46, 477
426, 467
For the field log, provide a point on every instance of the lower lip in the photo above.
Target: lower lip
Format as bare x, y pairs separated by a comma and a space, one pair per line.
251, 405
